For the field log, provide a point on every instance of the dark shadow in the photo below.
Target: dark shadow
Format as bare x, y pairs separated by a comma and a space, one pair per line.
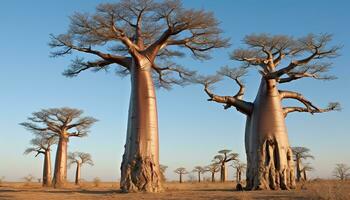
84, 191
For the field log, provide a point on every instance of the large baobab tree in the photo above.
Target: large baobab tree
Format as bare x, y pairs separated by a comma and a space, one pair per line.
279, 59
79, 159
42, 145
199, 170
341, 171
140, 37
239, 167
300, 154
61, 123
213, 168
180, 171
224, 157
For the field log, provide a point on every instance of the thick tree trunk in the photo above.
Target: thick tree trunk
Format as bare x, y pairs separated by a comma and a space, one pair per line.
223, 173
180, 178
269, 156
298, 163
47, 169
60, 173
77, 174
140, 165
199, 177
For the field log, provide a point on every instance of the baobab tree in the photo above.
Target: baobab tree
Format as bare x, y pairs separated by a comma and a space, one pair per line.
79, 159
61, 123
213, 168
224, 157
341, 171
181, 171
140, 37
300, 154
239, 167
199, 170
42, 145
279, 59
306, 168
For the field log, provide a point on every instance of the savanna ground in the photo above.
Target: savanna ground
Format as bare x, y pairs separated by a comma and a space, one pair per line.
320, 189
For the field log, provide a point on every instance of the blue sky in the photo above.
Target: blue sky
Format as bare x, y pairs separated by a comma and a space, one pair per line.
191, 129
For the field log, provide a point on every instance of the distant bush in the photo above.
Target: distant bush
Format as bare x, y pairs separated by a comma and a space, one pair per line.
96, 182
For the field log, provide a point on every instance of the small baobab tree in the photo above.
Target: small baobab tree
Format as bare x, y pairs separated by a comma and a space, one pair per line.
79, 159
141, 37
28, 179
42, 145
224, 157
306, 168
62, 123
181, 171
213, 169
199, 170
341, 171
239, 167
163, 168
300, 154
279, 59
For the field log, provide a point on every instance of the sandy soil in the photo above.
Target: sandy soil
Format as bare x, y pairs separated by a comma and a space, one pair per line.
173, 191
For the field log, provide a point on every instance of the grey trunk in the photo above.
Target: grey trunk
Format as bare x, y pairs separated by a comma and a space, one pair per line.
60, 173
140, 166
77, 174
298, 169
269, 156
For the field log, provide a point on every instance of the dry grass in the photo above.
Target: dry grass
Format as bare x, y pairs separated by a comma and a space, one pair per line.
173, 191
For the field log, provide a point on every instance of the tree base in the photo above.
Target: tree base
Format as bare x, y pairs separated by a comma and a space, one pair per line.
140, 175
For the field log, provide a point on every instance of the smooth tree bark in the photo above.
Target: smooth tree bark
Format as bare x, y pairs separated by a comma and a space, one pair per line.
239, 167
199, 170
180, 171
61, 123
341, 171
279, 59
300, 154
224, 157
213, 169
141, 37
79, 159
42, 145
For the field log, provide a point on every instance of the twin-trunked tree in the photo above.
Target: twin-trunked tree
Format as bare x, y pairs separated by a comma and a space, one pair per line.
279, 60
140, 36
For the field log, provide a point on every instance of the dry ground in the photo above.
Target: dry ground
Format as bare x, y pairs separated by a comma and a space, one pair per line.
174, 191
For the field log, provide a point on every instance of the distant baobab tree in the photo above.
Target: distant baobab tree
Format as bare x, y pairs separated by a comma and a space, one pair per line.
140, 37
341, 171
162, 172
224, 157
306, 168
79, 159
42, 145
239, 167
279, 59
181, 171
300, 154
61, 123
213, 169
199, 170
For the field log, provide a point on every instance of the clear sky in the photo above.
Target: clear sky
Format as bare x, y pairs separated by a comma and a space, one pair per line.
191, 129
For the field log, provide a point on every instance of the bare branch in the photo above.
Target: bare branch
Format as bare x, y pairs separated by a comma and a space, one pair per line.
333, 106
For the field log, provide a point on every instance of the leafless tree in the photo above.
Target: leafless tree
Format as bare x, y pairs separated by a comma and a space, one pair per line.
140, 37
239, 167
163, 168
213, 168
224, 157
341, 171
28, 179
181, 171
300, 154
42, 145
279, 59
199, 170
79, 159
61, 123
306, 168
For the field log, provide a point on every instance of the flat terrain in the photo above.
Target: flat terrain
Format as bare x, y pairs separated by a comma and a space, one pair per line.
173, 191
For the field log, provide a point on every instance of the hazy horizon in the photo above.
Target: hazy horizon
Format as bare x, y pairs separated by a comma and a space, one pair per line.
191, 129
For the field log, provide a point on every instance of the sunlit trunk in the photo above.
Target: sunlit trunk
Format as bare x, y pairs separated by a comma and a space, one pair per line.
223, 173
60, 173
77, 174
269, 156
47, 169
140, 166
